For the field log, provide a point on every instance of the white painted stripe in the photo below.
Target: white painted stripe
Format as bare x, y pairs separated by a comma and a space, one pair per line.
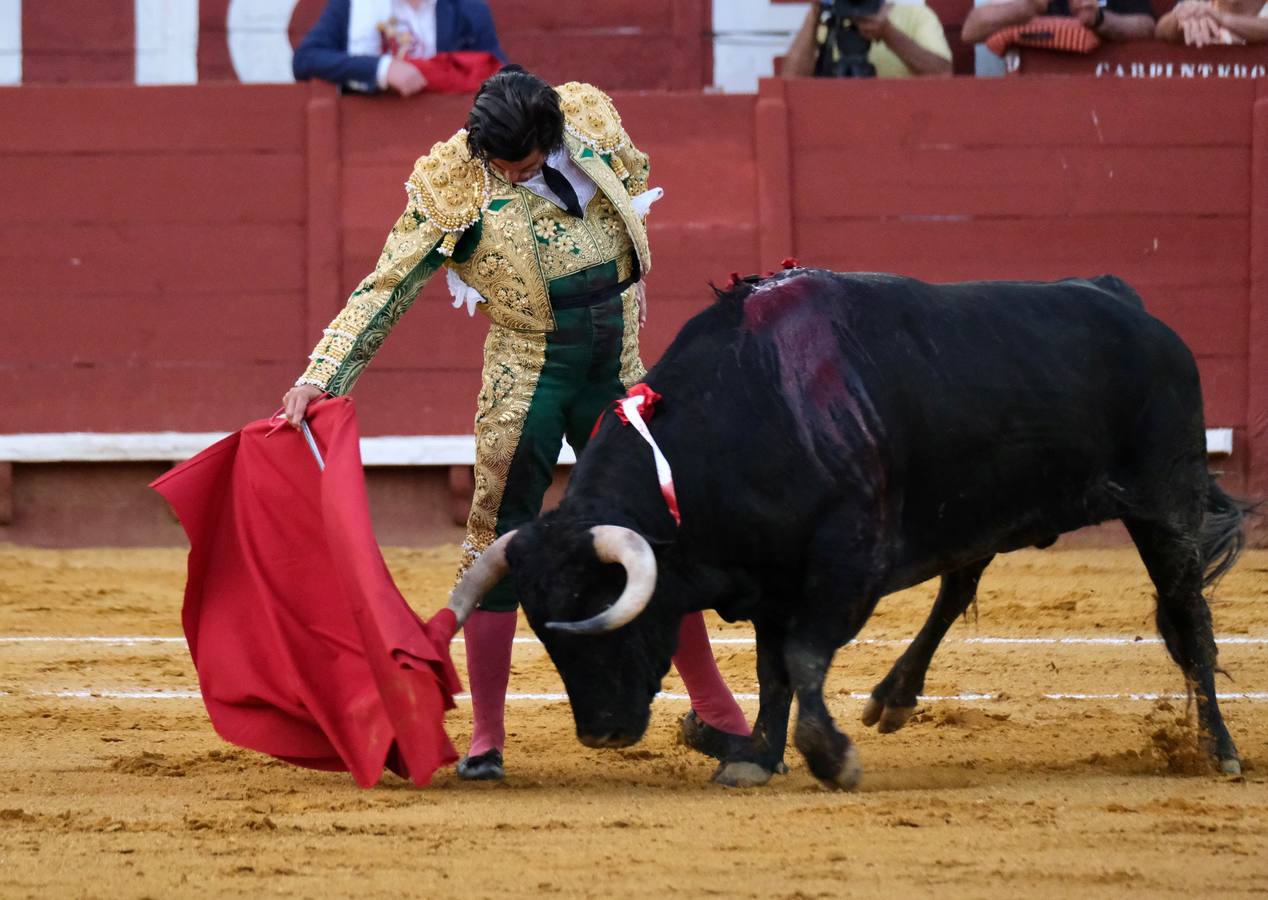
166, 41
1098, 641
119, 695
1258, 696
386, 450
82, 446
553, 697
431, 450
174, 446
258, 41
11, 41
122, 641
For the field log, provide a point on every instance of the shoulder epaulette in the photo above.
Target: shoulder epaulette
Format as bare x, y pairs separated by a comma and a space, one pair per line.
450, 188
590, 117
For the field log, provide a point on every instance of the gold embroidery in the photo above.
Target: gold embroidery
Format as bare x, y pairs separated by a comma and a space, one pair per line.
616, 194
513, 363
510, 267
449, 192
504, 268
566, 244
379, 301
590, 117
632, 371
451, 188
639, 167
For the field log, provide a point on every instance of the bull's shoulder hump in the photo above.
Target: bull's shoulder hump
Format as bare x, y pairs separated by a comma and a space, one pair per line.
1116, 287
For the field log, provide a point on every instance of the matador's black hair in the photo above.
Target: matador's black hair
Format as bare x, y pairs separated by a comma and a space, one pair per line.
514, 114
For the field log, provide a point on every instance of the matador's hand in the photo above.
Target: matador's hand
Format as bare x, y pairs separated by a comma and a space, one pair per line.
295, 402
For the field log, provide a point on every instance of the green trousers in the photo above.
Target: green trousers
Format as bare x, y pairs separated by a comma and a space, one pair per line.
580, 377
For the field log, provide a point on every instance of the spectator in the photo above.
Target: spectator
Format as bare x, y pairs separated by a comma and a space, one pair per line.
364, 45
1201, 24
1116, 20
906, 39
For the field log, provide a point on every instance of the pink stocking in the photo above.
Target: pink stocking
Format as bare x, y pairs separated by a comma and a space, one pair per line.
710, 697
489, 637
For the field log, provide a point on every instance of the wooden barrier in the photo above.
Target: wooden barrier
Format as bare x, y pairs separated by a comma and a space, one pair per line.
170, 254
1149, 59
623, 44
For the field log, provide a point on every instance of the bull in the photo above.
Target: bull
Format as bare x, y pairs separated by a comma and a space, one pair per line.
838, 437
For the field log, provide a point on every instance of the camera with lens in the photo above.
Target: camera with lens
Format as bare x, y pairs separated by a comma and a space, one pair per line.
844, 50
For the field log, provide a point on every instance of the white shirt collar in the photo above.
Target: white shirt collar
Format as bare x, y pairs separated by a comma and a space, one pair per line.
561, 159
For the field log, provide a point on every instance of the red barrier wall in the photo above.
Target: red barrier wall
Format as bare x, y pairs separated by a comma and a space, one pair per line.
1151, 59
153, 247
169, 254
81, 41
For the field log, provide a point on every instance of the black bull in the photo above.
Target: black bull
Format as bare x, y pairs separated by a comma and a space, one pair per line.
835, 438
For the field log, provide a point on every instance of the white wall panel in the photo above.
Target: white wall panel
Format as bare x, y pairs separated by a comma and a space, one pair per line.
258, 42
11, 41
166, 41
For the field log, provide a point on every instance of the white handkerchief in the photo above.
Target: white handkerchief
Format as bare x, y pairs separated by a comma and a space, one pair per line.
643, 202
462, 292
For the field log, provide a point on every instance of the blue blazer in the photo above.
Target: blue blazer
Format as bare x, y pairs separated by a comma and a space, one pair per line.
460, 25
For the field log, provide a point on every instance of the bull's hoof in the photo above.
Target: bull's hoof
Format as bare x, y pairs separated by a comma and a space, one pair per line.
850, 773
894, 718
872, 711
741, 774
1232, 766
888, 719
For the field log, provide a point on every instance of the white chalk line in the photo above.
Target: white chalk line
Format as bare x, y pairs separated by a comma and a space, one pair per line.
1252, 696
1084, 641
121, 640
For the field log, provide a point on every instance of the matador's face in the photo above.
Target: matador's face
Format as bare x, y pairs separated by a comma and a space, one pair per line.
517, 171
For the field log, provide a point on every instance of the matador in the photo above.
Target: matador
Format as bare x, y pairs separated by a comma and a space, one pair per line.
538, 210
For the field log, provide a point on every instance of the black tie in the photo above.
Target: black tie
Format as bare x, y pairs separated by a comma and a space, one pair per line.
558, 182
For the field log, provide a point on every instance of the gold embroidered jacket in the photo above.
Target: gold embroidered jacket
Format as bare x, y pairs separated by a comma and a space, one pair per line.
459, 214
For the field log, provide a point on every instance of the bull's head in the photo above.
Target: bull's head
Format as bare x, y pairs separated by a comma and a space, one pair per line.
586, 593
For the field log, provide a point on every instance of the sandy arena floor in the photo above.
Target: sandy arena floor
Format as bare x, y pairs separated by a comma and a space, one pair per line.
1020, 793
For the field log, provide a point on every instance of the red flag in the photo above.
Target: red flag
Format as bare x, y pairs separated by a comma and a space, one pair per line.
305, 649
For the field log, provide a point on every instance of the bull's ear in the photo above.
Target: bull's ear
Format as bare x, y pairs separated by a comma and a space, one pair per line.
658, 541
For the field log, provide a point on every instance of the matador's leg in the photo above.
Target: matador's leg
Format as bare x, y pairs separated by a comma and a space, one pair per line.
513, 364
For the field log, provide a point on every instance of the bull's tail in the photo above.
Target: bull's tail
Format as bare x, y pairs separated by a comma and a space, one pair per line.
1222, 537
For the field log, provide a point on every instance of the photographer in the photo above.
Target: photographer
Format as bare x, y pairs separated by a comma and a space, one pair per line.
841, 38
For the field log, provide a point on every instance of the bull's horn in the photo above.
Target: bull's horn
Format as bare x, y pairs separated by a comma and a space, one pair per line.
614, 544
488, 569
